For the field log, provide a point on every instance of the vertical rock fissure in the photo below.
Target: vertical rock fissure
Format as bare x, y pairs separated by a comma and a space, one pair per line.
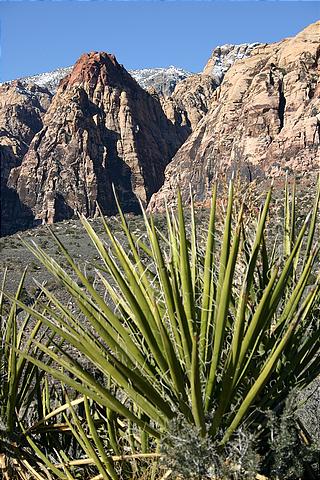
282, 105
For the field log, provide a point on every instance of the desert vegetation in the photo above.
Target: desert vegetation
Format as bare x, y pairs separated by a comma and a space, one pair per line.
186, 349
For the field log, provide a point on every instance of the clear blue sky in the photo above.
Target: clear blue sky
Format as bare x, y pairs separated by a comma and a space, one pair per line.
40, 36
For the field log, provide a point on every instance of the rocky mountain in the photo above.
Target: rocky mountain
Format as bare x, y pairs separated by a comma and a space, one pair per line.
101, 129
44, 197
224, 56
264, 121
22, 107
255, 109
162, 80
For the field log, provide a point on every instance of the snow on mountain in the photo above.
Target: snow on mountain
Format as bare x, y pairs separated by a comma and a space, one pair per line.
163, 80
49, 80
224, 56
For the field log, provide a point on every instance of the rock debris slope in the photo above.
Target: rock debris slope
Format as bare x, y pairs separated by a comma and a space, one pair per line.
101, 129
264, 121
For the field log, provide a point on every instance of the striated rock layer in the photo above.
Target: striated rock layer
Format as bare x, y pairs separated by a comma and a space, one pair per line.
264, 121
101, 129
22, 107
21, 111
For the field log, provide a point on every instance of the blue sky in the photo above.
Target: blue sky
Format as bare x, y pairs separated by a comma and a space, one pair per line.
38, 36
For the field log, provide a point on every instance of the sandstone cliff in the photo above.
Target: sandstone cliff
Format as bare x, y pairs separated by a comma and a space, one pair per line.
21, 110
101, 129
22, 107
264, 120
224, 56
255, 109
190, 100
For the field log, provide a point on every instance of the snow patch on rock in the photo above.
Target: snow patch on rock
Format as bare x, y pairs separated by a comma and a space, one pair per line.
224, 56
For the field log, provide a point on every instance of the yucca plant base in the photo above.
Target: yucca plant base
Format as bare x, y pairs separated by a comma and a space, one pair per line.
185, 348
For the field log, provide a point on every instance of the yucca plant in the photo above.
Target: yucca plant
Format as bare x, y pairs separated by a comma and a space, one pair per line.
27, 400
21, 396
217, 330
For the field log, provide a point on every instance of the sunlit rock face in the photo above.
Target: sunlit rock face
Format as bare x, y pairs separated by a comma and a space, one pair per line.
224, 56
264, 121
254, 109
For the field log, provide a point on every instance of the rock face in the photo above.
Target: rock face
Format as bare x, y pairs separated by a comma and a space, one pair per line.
255, 109
264, 121
101, 129
224, 56
21, 111
22, 108
190, 100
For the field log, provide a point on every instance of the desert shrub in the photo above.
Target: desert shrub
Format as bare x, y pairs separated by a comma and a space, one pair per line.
291, 454
189, 454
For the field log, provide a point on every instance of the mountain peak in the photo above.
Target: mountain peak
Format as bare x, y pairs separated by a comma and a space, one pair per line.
95, 67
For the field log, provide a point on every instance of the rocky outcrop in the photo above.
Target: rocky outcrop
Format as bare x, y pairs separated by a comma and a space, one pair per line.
21, 111
190, 101
264, 121
101, 129
224, 56
22, 107
255, 110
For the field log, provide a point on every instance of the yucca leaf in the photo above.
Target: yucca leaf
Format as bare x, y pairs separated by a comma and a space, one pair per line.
196, 393
313, 222
91, 389
268, 368
208, 285
43, 457
11, 341
185, 272
105, 459
222, 309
